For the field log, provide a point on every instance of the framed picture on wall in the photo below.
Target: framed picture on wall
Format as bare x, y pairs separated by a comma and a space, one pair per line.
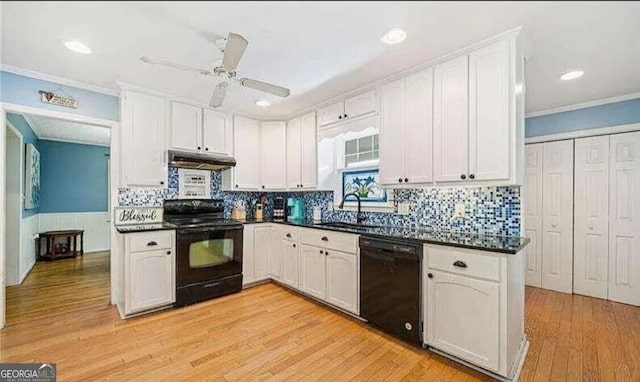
32, 178
365, 183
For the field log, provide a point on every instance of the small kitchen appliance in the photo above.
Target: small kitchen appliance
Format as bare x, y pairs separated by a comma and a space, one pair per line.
296, 210
278, 209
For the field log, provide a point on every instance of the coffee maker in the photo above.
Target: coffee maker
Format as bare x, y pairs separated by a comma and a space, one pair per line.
279, 209
295, 209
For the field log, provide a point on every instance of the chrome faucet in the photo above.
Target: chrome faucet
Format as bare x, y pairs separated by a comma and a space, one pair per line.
359, 217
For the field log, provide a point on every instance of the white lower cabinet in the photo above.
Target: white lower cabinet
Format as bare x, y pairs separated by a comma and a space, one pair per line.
313, 271
149, 271
290, 263
276, 261
342, 280
463, 317
256, 250
474, 306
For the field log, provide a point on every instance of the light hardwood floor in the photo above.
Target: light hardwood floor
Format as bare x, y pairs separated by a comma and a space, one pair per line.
268, 332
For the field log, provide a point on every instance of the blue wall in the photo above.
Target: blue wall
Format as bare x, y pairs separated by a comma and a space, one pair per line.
73, 177
28, 136
23, 90
612, 114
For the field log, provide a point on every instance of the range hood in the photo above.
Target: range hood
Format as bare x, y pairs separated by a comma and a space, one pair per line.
200, 161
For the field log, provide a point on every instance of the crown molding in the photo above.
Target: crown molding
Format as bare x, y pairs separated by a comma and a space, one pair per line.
583, 105
59, 80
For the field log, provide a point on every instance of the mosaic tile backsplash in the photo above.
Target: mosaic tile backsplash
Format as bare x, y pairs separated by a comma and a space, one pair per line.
490, 210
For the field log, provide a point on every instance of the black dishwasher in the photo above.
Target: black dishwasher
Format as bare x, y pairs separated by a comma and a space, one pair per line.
390, 287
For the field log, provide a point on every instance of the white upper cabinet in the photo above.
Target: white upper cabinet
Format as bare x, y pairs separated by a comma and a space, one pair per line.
309, 145
490, 136
143, 139
451, 120
193, 128
302, 152
392, 139
273, 161
331, 114
361, 104
217, 133
246, 143
185, 126
407, 129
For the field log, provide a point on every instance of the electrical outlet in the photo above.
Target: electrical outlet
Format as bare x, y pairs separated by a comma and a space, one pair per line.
330, 205
403, 208
459, 210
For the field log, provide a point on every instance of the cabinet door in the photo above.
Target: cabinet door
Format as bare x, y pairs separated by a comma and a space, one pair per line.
186, 127
273, 138
532, 209
342, 281
261, 252
309, 176
313, 274
557, 216
392, 138
489, 123
276, 260
624, 219
418, 127
331, 114
215, 133
294, 153
151, 279
246, 141
291, 263
451, 120
361, 104
248, 257
143, 140
463, 318
591, 217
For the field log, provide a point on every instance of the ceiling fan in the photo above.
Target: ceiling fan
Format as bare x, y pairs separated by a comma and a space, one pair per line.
232, 48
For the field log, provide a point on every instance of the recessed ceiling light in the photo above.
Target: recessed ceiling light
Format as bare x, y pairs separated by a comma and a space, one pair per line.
78, 47
263, 103
394, 36
572, 75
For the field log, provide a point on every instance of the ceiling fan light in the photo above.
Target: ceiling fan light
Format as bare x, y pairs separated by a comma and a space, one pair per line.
263, 103
393, 36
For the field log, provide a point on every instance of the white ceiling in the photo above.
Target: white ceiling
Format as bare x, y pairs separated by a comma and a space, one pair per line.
59, 130
322, 49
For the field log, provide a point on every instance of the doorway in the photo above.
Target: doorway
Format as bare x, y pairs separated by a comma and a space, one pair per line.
69, 191
14, 159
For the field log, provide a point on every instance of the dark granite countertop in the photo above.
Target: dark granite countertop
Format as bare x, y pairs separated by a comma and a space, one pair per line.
493, 243
145, 227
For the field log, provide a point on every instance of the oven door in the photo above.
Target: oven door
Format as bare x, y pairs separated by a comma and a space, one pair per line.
209, 253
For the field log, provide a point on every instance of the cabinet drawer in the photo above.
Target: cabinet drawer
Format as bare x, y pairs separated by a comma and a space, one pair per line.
331, 240
149, 241
469, 262
283, 232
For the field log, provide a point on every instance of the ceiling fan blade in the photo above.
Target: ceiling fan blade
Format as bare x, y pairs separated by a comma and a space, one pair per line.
219, 92
265, 87
233, 51
169, 64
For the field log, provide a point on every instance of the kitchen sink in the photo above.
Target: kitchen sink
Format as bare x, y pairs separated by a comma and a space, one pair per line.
348, 225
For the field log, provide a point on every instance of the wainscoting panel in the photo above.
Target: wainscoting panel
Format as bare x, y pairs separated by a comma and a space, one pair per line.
96, 228
28, 249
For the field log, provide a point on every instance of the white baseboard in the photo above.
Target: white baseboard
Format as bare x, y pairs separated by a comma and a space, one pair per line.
97, 230
27, 271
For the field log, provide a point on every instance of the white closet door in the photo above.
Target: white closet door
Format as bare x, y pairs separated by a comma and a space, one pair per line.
591, 217
557, 217
624, 219
532, 208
